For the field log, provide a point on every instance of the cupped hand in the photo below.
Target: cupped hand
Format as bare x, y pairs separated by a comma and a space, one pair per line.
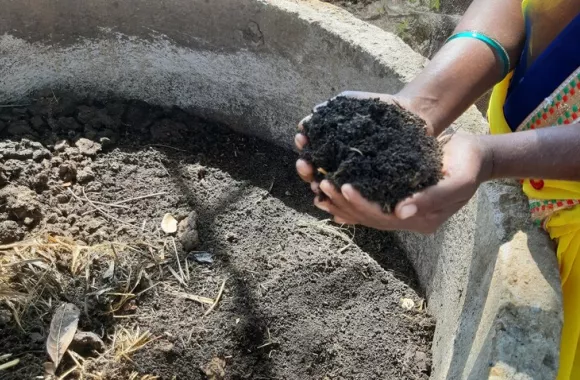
305, 169
466, 164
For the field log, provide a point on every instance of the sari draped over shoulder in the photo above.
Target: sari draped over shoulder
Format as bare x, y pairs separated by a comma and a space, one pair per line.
546, 94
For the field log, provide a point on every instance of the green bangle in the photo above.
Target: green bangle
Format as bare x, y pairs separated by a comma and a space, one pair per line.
492, 43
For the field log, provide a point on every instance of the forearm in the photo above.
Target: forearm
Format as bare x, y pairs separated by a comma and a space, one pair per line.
547, 153
465, 68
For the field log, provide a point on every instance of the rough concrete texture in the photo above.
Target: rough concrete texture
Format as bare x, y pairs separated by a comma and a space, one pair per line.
491, 279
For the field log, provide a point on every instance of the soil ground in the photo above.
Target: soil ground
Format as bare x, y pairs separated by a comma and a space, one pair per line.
83, 189
381, 149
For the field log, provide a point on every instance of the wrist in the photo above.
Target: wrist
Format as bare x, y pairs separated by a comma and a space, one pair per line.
426, 108
486, 153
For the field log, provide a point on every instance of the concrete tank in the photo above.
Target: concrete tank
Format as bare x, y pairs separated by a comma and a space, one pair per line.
259, 65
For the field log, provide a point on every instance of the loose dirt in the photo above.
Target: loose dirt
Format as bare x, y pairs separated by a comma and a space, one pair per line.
84, 186
381, 149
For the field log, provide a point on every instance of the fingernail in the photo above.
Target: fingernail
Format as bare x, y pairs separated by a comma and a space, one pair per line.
326, 188
322, 207
407, 211
345, 194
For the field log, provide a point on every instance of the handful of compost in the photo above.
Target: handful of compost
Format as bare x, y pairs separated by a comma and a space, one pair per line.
381, 149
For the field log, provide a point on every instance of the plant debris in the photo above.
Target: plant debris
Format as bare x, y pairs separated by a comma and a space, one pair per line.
201, 257
169, 224
62, 331
215, 369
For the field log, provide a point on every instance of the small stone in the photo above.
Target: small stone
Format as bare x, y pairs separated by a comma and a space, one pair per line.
52, 218
63, 198
41, 154
22, 154
187, 232
85, 341
422, 362
5, 317
13, 167
94, 187
67, 171
166, 347
10, 232
105, 142
93, 225
88, 147
36, 337
56, 161
85, 175
60, 146
201, 257
40, 182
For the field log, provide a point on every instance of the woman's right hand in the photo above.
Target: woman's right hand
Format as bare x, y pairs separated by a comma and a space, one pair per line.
306, 170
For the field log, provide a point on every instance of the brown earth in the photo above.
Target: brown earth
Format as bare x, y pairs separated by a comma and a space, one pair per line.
303, 299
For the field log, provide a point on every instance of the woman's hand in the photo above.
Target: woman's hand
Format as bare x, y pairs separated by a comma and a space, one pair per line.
466, 164
305, 170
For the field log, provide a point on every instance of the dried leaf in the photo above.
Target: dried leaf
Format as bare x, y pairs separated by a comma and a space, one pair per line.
196, 298
110, 272
169, 224
49, 369
407, 303
62, 331
215, 369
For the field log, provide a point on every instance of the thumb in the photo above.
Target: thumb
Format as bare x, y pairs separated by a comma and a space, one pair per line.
431, 199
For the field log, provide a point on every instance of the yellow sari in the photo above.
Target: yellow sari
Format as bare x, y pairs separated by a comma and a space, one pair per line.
554, 205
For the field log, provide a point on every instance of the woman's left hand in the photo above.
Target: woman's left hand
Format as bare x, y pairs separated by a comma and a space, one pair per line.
466, 164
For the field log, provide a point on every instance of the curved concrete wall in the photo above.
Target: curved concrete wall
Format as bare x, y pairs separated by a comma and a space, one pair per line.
259, 66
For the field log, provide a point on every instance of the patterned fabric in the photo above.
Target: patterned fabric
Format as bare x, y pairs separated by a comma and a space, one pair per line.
561, 108
521, 102
546, 93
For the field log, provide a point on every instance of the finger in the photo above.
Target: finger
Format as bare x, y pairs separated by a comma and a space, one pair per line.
301, 123
356, 200
434, 198
385, 98
329, 207
357, 94
315, 187
335, 195
300, 141
318, 106
305, 170
342, 221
